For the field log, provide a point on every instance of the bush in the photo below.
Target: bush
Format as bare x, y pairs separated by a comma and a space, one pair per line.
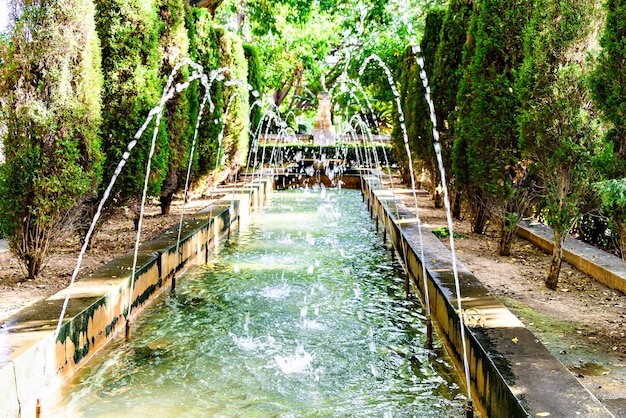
50, 88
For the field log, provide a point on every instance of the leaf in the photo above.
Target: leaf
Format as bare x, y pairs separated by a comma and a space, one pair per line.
515, 340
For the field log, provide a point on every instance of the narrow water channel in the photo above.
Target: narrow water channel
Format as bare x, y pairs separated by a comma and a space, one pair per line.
301, 314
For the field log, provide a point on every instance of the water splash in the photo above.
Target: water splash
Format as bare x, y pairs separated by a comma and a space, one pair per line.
405, 139
276, 292
446, 199
300, 362
169, 92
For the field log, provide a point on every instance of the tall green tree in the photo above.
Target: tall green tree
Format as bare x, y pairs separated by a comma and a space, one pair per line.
608, 87
560, 136
416, 116
236, 130
608, 81
446, 76
462, 129
129, 35
409, 91
50, 103
423, 139
490, 128
205, 50
223, 135
173, 47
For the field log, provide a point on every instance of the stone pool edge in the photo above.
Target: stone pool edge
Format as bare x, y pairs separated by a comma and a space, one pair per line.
33, 363
511, 373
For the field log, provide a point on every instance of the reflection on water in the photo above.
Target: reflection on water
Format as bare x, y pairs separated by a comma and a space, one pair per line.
296, 317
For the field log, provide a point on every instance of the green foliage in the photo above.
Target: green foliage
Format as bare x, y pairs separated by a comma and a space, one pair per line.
447, 68
486, 134
235, 136
297, 36
50, 89
559, 134
422, 139
461, 126
129, 34
217, 49
607, 81
444, 232
413, 101
608, 89
408, 84
447, 72
205, 49
491, 127
173, 47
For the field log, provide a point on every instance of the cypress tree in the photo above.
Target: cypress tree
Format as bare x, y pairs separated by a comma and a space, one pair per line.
608, 84
490, 127
173, 47
129, 34
406, 83
50, 88
413, 102
461, 127
446, 76
560, 137
204, 49
216, 49
235, 135
422, 139
608, 88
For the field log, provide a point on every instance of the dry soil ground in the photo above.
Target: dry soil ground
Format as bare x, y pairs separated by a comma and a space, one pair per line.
583, 323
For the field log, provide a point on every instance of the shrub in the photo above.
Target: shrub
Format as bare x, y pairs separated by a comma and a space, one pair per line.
50, 88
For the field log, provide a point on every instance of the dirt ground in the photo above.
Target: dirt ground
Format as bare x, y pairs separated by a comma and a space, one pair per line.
583, 323
116, 237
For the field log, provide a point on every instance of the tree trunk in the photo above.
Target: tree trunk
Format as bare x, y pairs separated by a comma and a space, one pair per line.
166, 202
456, 208
33, 265
480, 219
506, 238
438, 199
168, 189
555, 263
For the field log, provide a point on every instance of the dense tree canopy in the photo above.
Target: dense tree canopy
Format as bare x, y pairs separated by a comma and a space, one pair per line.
312, 42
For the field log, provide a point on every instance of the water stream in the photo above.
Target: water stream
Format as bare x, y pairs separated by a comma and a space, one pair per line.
303, 314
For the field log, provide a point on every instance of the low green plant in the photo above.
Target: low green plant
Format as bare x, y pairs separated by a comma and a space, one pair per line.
444, 232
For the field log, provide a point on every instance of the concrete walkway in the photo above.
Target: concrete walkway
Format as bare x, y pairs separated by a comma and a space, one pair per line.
602, 266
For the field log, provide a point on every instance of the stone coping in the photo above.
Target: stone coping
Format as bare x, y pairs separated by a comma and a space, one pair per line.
511, 373
34, 361
602, 266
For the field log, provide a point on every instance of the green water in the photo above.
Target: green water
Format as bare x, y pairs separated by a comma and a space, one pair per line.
302, 314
